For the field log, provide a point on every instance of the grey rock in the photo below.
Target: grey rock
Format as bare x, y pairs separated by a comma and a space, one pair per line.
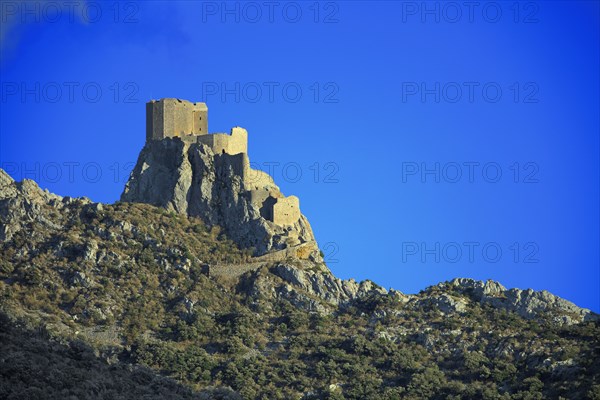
189, 179
384, 335
528, 303
300, 300
399, 296
324, 285
90, 250
426, 339
80, 279
21, 203
7, 186
445, 303
189, 304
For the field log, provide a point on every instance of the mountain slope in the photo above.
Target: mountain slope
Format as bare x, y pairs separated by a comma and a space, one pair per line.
146, 288
33, 366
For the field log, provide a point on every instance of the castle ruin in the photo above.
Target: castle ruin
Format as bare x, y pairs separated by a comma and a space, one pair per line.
175, 118
187, 121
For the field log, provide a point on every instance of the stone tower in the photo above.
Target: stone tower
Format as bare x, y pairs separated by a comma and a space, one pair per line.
175, 118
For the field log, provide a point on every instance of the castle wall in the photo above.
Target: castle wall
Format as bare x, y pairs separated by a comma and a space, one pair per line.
237, 162
238, 141
256, 179
189, 139
264, 199
154, 120
286, 211
258, 197
272, 204
223, 143
175, 118
302, 251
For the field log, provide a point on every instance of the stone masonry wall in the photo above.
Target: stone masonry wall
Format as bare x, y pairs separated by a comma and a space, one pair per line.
175, 118
234, 143
286, 210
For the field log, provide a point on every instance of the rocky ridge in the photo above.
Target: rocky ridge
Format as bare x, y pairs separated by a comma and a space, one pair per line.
451, 297
301, 281
158, 289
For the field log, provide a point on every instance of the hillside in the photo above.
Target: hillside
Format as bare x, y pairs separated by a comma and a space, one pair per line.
102, 301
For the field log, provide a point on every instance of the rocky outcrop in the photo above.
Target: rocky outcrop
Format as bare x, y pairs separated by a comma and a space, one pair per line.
22, 203
528, 303
190, 179
306, 285
325, 285
444, 303
303, 283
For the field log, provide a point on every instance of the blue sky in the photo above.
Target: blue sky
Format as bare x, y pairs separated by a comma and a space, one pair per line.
433, 140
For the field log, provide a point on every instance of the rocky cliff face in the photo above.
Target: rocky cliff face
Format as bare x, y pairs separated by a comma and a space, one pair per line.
189, 179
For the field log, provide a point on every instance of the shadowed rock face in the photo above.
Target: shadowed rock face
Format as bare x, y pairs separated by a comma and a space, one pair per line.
190, 179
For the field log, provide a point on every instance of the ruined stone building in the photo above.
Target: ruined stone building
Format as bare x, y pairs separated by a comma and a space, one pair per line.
175, 118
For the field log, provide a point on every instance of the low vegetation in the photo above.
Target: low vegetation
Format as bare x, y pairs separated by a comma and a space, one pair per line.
117, 302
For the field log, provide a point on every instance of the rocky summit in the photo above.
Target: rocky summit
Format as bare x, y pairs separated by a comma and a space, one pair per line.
191, 180
205, 282
185, 169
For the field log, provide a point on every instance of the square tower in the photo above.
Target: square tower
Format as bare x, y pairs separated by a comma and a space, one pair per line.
175, 118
